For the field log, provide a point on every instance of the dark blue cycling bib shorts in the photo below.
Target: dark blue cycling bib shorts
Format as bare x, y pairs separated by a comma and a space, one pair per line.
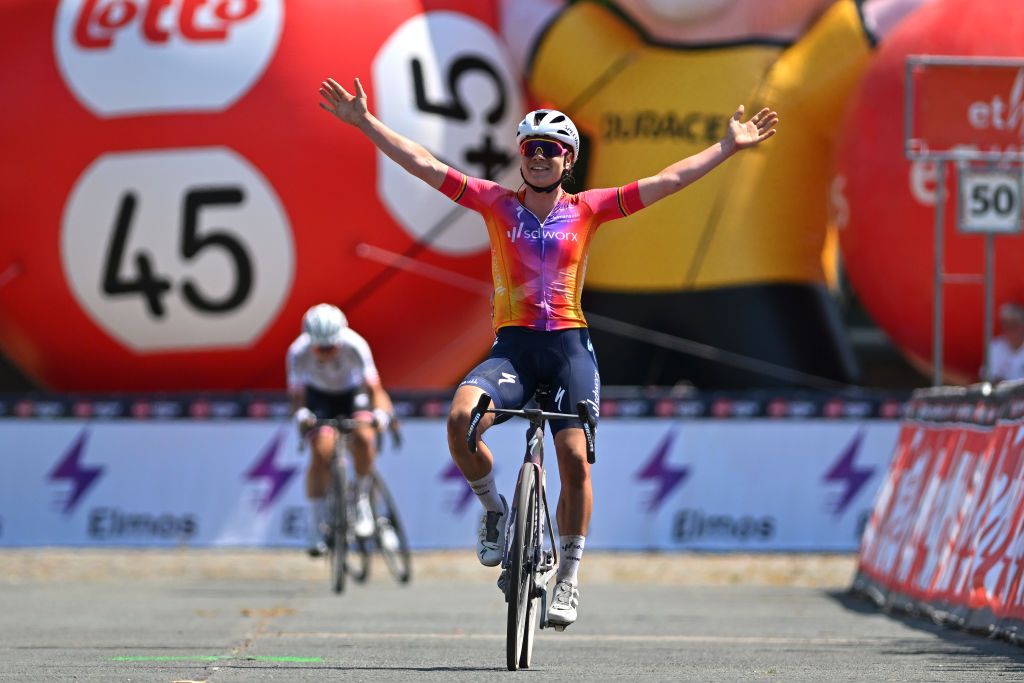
521, 359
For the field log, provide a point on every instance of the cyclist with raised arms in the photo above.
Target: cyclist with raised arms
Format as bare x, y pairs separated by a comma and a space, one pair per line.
539, 236
331, 373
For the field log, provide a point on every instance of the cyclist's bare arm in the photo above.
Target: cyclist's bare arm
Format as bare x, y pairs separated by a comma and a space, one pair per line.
352, 109
741, 135
379, 398
297, 397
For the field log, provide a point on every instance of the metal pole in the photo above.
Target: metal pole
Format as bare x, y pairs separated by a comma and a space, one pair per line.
990, 276
940, 214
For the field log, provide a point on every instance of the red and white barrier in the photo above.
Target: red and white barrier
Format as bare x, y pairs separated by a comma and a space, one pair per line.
946, 536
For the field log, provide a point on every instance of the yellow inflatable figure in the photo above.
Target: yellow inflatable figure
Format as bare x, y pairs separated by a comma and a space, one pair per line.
737, 262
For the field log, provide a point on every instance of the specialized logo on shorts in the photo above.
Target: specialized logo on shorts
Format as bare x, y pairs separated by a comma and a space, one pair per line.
507, 377
266, 470
559, 395
80, 476
128, 57
660, 471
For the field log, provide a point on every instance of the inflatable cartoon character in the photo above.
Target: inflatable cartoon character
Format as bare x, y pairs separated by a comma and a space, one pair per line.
737, 263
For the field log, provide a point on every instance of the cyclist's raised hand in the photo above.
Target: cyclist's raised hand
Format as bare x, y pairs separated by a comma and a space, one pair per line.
348, 108
744, 134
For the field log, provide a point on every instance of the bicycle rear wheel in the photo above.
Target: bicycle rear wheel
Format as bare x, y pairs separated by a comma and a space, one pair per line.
390, 534
339, 526
519, 632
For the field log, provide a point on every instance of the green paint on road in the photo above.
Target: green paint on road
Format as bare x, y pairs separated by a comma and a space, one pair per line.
217, 658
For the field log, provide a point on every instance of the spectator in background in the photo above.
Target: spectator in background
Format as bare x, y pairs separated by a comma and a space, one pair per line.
1006, 351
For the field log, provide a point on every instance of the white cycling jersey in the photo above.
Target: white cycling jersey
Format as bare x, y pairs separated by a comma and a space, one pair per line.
350, 367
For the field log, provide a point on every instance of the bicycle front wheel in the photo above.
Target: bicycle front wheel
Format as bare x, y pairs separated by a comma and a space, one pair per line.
390, 534
519, 632
339, 527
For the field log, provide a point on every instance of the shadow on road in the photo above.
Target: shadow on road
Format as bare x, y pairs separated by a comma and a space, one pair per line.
949, 640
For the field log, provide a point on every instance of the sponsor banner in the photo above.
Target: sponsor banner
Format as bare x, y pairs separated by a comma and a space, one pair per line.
616, 402
667, 484
946, 535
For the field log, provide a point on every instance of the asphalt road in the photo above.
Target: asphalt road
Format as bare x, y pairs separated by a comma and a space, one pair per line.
191, 626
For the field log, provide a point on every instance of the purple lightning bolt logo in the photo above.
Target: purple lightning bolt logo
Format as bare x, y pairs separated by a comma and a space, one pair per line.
266, 469
453, 473
659, 470
71, 468
847, 472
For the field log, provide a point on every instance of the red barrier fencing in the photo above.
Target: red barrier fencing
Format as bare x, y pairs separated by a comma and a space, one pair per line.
946, 536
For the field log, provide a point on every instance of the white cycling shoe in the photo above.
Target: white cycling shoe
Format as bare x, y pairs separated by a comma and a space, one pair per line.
562, 612
490, 543
388, 537
363, 525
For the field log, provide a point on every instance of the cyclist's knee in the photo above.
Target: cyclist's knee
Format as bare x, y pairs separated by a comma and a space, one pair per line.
574, 470
364, 440
458, 429
458, 420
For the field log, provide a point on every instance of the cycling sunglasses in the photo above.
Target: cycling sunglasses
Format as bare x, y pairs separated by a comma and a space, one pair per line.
325, 349
548, 148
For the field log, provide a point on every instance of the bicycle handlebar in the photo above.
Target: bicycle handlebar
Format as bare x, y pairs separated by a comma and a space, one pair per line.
589, 429
348, 425
345, 425
582, 414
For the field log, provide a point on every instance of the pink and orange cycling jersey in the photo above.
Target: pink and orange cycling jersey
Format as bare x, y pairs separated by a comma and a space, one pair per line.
538, 266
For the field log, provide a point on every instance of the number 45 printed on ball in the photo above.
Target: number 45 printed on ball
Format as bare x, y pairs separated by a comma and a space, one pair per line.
178, 249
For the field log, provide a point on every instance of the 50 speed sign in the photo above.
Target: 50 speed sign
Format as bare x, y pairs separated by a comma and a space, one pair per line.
990, 201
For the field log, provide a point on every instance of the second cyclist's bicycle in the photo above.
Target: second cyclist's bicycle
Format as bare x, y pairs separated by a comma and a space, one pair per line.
348, 554
530, 559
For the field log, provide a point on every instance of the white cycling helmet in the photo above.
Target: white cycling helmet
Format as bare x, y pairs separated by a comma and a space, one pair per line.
324, 323
549, 123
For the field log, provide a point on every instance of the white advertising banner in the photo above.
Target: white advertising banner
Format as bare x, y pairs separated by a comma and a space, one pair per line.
660, 484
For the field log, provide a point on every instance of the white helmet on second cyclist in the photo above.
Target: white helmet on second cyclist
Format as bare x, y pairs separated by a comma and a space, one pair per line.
549, 123
324, 323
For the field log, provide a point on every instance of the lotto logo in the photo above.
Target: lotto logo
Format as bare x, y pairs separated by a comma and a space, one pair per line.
194, 20
208, 53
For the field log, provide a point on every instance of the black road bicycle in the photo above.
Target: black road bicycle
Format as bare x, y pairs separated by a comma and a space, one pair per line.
347, 553
530, 559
